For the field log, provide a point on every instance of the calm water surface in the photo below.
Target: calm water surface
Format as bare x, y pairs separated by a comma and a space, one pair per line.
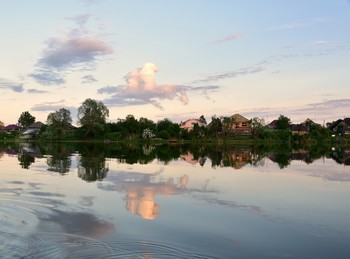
61, 201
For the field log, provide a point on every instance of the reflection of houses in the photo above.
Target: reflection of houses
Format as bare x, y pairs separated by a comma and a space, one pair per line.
31, 150
301, 155
189, 124
240, 124
32, 130
341, 156
238, 158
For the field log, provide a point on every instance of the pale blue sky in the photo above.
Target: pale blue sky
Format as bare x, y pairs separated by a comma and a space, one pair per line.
176, 59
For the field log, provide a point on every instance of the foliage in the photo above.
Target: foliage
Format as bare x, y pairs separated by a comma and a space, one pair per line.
145, 123
163, 134
147, 134
283, 123
227, 124
215, 127
257, 126
58, 122
2, 125
165, 125
93, 166
131, 126
26, 119
92, 116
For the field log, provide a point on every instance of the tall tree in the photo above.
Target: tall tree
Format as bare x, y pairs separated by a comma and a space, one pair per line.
131, 125
227, 124
257, 126
215, 126
92, 115
26, 119
59, 121
283, 123
166, 125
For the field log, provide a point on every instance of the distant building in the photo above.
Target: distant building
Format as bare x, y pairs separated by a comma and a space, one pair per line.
300, 129
189, 124
272, 124
11, 128
241, 124
32, 130
341, 127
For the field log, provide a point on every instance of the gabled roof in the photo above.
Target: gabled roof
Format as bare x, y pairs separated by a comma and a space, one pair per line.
239, 118
11, 127
31, 131
299, 127
272, 124
347, 121
335, 124
36, 125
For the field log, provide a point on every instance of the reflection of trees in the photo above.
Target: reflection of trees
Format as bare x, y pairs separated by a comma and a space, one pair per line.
59, 160
27, 153
230, 157
92, 163
59, 165
92, 168
166, 153
282, 159
25, 160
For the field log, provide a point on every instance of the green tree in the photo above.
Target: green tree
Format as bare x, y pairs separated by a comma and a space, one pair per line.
227, 124
283, 123
215, 126
26, 119
146, 124
257, 126
167, 125
58, 122
2, 125
131, 126
92, 115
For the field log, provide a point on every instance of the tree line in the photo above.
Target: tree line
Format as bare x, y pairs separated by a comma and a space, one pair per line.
93, 115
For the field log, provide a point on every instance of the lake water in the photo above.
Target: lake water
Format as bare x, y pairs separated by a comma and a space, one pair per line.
110, 201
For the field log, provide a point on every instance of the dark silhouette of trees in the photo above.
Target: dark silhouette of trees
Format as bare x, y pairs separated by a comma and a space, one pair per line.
25, 119
58, 122
92, 115
283, 123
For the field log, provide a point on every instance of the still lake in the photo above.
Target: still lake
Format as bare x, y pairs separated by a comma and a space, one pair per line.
112, 201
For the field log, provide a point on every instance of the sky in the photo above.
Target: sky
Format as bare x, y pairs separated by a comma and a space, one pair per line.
176, 59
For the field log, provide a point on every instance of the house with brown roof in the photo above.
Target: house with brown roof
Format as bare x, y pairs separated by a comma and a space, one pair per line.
240, 124
272, 124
